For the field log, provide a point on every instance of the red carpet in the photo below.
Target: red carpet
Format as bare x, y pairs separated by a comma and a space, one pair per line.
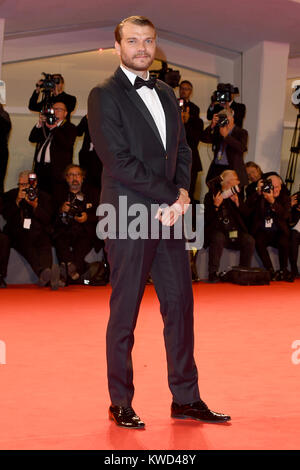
53, 392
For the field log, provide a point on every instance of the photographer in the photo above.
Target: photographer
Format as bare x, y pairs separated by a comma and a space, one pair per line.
28, 212
4, 252
295, 233
5, 127
55, 137
229, 143
193, 128
51, 88
254, 173
222, 99
224, 226
269, 209
75, 226
88, 159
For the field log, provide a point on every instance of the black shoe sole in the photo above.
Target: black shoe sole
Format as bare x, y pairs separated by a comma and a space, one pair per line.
221, 421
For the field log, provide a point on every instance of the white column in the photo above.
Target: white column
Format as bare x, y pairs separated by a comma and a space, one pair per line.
264, 85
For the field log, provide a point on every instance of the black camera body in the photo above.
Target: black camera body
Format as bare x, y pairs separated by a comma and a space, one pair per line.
77, 206
32, 190
223, 93
49, 114
267, 185
47, 87
223, 120
49, 82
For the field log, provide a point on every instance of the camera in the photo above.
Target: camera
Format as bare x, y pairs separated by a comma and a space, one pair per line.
167, 75
267, 186
49, 114
223, 93
182, 104
49, 82
223, 120
230, 192
215, 186
77, 206
31, 191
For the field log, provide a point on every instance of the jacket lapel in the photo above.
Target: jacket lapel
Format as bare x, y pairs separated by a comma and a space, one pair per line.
138, 102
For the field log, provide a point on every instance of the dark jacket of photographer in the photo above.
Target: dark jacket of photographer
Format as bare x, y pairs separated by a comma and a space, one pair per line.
214, 217
68, 100
61, 147
89, 205
258, 209
15, 215
193, 129
238, 108
235, 145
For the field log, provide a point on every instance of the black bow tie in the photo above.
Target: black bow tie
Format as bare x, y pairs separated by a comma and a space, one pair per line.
139, 82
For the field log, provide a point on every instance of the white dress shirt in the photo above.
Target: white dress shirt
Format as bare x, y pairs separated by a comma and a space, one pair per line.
152, 101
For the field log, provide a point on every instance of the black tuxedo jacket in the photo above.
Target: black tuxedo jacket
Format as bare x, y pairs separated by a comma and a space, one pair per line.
61, 147
126, 138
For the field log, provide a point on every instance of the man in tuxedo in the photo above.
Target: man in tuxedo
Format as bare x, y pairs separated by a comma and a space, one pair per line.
54, 149
136, 128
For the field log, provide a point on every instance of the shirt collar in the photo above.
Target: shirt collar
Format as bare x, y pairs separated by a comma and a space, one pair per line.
130, 75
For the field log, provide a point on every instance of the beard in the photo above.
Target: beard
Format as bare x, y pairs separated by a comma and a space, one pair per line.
133, 64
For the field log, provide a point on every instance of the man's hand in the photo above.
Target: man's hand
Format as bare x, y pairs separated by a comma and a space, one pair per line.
235, 199
224, 131
20, 196
269, 196
294, 200
33, 203
183, 201
42, 119
214, 121
38, 86
218, 199
185, 114
51, 126
82, 218
65, 207
170, 214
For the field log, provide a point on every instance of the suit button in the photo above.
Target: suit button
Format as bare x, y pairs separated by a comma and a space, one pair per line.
166, 157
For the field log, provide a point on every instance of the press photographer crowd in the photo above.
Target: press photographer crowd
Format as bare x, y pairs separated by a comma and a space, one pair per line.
54, 203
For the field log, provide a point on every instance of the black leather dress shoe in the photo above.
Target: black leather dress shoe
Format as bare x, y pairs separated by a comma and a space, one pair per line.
198, 411
125, 417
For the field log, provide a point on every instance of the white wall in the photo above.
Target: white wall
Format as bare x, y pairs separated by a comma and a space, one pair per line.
78, 81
